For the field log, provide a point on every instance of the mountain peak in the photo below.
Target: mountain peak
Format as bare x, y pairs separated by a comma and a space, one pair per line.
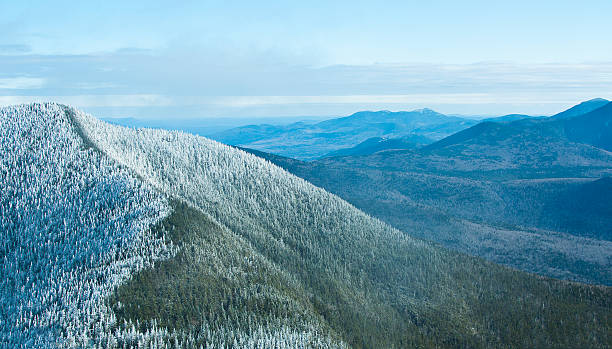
425, 111
582, 108
385, 112
596, 100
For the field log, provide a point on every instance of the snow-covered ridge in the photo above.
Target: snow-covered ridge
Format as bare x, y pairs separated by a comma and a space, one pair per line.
238, 189
73, 225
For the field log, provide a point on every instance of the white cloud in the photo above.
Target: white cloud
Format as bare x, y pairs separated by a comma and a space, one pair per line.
201, 84
419, 98
497, 97
93, 100
480, 103
21, 83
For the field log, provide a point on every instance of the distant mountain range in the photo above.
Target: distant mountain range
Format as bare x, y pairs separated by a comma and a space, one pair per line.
591, 127
114, 237
367, 132
376, 144
312, 141
534, 193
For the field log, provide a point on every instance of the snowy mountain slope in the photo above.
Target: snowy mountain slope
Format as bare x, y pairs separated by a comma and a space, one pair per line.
73, 226
366, 282
78, 227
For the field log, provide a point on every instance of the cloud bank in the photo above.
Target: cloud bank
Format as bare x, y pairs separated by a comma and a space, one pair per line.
188, 83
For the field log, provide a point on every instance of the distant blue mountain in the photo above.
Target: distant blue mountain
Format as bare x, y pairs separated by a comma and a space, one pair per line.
212, 125
312, 141
582, 108
592, 127
376, 144
511, 117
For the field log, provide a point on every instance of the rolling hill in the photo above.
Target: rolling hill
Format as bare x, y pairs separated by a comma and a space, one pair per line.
170, 239
312, 141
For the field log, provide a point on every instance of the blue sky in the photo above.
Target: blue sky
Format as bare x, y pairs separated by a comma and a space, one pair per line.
158, 59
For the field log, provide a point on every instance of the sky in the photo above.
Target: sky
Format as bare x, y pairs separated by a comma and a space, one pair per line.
195, 59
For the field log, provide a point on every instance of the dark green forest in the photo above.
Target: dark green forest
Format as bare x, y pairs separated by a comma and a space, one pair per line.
399, 297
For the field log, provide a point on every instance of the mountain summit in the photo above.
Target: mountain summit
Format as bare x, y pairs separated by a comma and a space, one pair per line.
582, 108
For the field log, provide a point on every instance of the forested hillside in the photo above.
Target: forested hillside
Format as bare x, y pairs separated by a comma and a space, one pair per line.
248, 255
73, 226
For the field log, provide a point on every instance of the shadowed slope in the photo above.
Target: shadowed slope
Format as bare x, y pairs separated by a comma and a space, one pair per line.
218, 289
